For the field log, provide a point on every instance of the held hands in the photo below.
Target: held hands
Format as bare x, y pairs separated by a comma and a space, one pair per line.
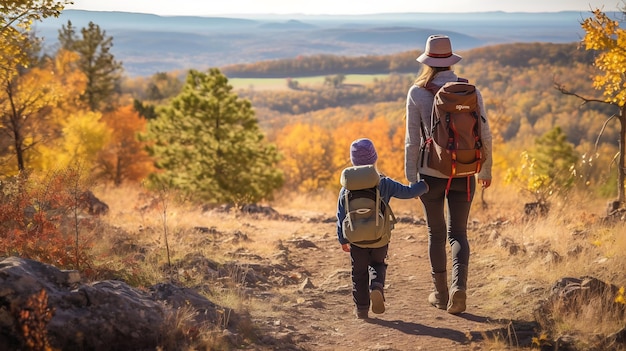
422, 182
427, 187
345, 247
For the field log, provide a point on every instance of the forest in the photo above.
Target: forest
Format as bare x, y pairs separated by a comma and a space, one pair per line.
519, 82
76, 107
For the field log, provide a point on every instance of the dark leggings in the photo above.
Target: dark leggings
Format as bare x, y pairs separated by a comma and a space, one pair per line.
362, 260
455, 230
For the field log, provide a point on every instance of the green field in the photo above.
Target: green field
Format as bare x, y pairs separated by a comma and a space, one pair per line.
281, 83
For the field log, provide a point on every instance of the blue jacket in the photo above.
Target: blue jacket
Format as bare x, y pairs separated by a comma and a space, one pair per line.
388, 188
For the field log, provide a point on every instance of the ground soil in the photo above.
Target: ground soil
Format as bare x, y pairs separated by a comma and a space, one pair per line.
317, 313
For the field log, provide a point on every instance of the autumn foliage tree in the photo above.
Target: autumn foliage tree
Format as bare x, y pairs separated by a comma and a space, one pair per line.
27, 108
21, 103
307, 152
607, 39
388, 141
16, 19
68, 135
314, 155
206, 143
123, 157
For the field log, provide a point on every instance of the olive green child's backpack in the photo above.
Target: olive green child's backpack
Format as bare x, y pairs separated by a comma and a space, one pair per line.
369, 219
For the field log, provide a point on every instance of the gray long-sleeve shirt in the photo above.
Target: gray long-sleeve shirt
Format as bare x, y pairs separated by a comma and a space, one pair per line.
419, 105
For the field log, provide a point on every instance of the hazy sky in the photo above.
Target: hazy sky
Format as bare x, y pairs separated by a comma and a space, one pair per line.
223, 7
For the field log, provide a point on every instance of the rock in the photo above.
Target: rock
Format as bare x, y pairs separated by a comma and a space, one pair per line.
536, 209
611, 207
495, 235
103, 315
306, 284
93, 205
510, 245
302, 243
571, 296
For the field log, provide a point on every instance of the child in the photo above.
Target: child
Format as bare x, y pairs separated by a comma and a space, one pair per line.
363, 152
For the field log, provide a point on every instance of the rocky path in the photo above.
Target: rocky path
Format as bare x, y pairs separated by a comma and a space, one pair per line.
320, 316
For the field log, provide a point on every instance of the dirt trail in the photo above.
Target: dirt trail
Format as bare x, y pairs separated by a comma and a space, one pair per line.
320, 316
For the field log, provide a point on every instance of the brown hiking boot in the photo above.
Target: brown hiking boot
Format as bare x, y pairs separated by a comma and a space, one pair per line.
458, 296
457, 302
378, 300
439, 297
361, 314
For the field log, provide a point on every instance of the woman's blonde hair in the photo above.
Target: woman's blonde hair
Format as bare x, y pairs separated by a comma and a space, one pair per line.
427, 74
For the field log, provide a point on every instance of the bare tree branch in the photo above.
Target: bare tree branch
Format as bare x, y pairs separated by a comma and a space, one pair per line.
560, 87
602, 132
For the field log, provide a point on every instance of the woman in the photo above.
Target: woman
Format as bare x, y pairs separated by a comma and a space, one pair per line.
437, 60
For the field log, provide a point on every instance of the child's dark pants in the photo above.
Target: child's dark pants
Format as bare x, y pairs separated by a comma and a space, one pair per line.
362, 259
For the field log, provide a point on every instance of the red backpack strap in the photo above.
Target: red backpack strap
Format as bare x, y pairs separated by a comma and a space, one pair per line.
432, 87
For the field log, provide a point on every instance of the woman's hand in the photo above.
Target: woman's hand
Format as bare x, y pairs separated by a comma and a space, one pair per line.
484, 183
345, 247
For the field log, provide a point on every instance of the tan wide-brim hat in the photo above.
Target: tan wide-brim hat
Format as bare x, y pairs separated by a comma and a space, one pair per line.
438, 52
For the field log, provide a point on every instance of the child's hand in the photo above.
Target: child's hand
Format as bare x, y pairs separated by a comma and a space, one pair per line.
345, 247
423, 184
427, 187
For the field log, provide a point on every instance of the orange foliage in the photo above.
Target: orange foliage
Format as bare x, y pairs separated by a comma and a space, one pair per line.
33, 319
124, 157
389, 145
74, 81
307, 151
314, 155
32, 215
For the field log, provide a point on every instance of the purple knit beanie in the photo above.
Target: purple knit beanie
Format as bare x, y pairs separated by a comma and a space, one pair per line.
363, 152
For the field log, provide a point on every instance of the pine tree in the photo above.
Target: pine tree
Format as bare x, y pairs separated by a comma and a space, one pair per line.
555, 158
548, 169
97, 63
207, 144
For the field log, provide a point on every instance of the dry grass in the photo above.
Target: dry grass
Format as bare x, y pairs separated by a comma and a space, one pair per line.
580, 243
520, 259
516, 258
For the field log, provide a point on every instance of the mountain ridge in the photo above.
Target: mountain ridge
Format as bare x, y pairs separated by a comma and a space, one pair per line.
147, 44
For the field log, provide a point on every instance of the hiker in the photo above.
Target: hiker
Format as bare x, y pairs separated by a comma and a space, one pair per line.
454, 192
370, 257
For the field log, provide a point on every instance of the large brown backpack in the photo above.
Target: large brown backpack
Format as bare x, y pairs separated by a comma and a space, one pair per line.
453, 143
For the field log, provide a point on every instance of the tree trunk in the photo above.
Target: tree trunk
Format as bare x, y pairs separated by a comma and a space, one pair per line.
19, 152
621, 170
118, 171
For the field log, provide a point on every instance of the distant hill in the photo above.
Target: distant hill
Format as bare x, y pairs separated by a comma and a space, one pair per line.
146, 44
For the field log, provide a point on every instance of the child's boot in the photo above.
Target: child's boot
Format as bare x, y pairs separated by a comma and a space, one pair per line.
377, 297
361, 313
